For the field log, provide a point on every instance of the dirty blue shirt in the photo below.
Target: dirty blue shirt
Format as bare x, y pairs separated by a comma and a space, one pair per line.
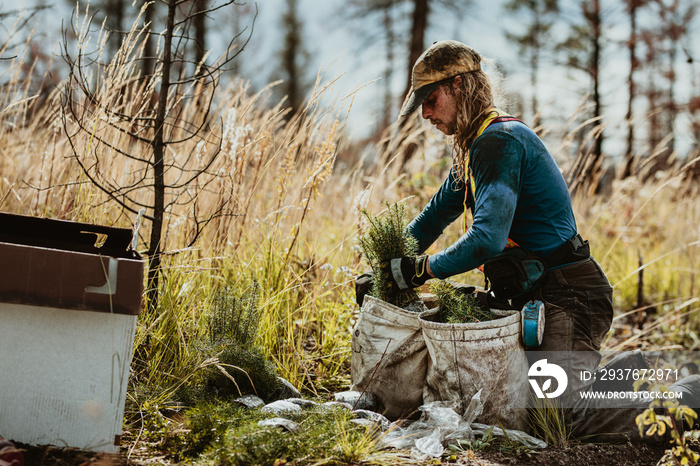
520, 194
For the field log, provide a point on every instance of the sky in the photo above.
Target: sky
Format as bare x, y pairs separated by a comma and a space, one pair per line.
339, 50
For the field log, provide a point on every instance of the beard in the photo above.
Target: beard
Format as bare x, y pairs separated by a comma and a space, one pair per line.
448, 129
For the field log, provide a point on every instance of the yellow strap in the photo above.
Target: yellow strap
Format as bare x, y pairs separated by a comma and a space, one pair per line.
492, 115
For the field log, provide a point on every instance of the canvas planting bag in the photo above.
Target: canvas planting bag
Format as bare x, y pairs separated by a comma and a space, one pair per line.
489, 355
389, 356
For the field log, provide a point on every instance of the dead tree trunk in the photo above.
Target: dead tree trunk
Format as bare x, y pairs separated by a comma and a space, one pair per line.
154, 251
632, 8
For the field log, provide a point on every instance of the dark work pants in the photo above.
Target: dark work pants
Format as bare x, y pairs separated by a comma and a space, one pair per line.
578, 315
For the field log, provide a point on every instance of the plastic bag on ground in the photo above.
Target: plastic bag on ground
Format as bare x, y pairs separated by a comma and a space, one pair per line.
429, 446
439, 424
513, 435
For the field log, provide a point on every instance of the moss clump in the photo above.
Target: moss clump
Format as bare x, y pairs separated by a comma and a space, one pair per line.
458, 307
384, 239
205, 425
248, 367
234, 364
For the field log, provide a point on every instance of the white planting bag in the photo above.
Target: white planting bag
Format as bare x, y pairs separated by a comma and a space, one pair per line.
464, 358
389, 357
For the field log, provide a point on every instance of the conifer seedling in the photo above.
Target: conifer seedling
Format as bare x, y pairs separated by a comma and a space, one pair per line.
386, 238
457, 307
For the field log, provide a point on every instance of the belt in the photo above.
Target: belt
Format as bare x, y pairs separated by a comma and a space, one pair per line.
573, 250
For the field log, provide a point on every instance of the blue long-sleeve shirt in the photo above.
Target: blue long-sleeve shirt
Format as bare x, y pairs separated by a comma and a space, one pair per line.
520, 194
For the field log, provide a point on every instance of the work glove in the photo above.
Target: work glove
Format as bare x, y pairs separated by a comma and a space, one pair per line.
363, 283
407, 272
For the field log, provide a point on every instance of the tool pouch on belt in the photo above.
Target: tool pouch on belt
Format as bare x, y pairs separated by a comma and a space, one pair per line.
514, 273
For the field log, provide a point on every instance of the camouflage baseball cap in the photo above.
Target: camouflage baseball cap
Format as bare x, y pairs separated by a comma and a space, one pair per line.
442, 60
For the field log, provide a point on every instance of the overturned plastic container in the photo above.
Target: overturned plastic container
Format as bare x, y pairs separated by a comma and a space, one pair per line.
70, 294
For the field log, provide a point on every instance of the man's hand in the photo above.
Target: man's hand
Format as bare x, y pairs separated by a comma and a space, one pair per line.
363, 283
407, 272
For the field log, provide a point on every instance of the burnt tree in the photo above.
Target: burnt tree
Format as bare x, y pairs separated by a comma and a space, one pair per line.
111, 111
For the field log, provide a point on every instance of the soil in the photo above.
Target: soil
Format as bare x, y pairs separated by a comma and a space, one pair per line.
572, 455
49, 456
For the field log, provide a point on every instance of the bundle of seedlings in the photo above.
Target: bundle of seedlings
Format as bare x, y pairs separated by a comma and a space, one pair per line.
386, 238
456, 306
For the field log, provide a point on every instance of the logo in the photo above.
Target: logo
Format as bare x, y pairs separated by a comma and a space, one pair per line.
542, 369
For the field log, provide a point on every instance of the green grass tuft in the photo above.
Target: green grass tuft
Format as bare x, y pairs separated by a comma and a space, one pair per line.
548, 421
225, 434
234, 364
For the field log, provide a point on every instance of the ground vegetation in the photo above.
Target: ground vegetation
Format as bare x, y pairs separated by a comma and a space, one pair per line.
256, 271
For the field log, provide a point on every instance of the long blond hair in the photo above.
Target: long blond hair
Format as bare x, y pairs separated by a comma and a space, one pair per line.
475, 102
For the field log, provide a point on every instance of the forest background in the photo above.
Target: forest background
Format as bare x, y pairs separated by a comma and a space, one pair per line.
247, 139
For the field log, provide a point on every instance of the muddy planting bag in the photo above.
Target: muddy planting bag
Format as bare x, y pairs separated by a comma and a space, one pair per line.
489, 355
389, 357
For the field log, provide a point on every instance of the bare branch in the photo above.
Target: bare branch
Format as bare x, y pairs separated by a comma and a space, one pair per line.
93, 180
190, 15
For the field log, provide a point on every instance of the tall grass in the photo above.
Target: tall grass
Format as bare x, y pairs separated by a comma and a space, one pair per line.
281, 206
276, 207
645, 236
548, 421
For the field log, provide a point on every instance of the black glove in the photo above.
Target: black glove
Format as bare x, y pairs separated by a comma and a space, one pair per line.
363, 283
407, 272
464, 289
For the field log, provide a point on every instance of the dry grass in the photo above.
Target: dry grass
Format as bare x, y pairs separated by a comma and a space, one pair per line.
284, 201
645, 235
275, 205
285, 198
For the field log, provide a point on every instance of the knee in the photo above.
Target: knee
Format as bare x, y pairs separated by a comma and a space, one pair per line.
689, 387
